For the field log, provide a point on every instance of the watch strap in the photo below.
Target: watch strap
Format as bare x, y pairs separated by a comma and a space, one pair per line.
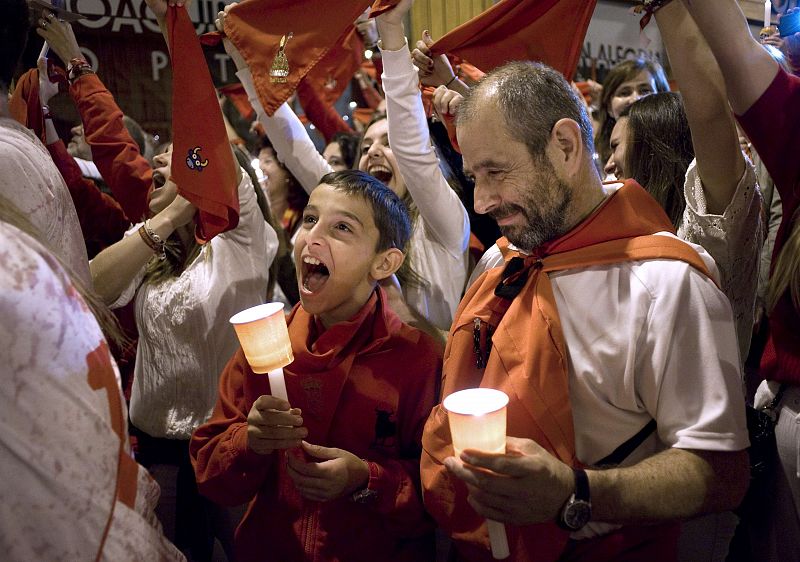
578, 509
581, 485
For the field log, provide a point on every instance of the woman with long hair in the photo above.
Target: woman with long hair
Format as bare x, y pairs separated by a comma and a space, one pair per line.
183, 300
652, 143
625, 83
685, 151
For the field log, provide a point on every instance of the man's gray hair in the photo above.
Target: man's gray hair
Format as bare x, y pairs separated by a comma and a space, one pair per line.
531, 97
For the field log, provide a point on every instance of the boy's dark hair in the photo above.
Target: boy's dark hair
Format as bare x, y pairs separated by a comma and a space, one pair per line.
14, 25
660, 149
389, 212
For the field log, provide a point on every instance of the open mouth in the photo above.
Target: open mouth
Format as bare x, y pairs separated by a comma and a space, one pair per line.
381, 173
158, 180
315, 274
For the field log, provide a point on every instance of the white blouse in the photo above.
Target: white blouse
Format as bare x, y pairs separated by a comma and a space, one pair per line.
734, 239
185, 339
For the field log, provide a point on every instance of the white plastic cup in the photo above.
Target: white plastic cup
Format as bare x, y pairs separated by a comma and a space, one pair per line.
477, 418
264, 337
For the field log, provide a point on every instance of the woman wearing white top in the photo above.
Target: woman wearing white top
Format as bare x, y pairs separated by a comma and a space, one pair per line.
182, 315
438, 246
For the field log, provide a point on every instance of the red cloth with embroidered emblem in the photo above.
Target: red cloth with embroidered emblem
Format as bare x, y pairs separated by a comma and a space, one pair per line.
533, 370
257, 27
203, 166
549, 31
365, 385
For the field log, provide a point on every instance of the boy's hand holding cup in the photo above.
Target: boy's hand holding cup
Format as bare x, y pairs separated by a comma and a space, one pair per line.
335, 472
273, 424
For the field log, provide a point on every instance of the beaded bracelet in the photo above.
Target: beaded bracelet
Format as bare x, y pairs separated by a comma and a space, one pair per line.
648, 8
153, 240
78, 67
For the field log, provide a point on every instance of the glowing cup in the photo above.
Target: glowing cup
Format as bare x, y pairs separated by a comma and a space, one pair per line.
477, 419
265, 341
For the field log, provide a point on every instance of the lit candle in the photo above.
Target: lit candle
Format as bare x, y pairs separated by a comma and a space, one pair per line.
265, 341
767, 13
477, 418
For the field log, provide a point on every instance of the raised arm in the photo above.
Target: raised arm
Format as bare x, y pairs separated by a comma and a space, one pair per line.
102, 220
444, 214
747, 67
115, 153
716, 144
435, 71
116, 267
288, 137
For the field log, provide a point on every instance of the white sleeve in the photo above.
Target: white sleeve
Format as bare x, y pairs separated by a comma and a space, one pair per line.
253, 241
289, 138
490, 258
734, 239
444, 215
688, 373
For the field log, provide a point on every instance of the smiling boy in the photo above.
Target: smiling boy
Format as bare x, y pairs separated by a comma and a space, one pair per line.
333, 474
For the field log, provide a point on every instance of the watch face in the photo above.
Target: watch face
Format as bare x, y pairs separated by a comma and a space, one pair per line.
365, 496
577, 514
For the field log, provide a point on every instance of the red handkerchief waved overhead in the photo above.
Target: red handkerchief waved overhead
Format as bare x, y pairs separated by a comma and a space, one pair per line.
258, 28
332, 74
381, 6
548, 31
202, 162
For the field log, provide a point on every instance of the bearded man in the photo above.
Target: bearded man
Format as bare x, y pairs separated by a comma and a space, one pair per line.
609, 335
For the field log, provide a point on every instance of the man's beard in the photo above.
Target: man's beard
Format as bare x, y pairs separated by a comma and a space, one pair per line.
545, 213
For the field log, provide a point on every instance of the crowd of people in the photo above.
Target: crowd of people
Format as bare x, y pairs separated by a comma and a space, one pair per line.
624, 265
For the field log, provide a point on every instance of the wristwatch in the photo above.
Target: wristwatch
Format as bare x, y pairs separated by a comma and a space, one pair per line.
364, 496
578, 509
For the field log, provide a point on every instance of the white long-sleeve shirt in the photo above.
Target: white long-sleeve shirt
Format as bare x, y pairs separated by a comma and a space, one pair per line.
441, 235
439, 241
185, 339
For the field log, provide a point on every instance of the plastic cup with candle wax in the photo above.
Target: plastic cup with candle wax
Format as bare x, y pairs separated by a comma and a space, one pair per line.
477, 418
265, 341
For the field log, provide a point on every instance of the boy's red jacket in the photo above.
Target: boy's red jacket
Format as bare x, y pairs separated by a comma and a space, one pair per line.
367, 386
